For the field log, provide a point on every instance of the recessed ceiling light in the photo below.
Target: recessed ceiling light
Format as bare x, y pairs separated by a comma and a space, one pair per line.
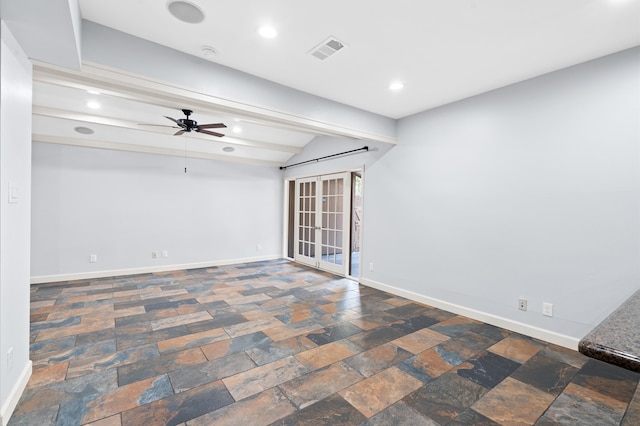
228, 149
396, 85
186, 12
237, 129
84, 130
93, 105
93, 91
267, 32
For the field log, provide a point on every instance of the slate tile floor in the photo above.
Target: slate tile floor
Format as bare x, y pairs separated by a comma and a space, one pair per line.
278, 343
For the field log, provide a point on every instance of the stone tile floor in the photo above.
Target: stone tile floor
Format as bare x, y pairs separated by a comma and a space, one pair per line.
278, 343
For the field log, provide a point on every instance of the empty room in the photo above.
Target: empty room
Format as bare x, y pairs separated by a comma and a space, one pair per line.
337, 213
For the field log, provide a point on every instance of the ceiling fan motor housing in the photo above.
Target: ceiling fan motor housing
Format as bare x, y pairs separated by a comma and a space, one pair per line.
187, 124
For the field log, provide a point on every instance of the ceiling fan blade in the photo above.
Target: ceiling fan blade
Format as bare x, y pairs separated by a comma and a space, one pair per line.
172, 119
212, 126
179, 132
207, 132
159, 125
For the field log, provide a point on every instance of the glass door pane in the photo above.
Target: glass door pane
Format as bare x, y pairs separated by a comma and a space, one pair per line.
305, 221
333, 245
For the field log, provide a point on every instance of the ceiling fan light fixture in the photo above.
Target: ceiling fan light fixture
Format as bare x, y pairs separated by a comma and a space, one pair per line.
186, 12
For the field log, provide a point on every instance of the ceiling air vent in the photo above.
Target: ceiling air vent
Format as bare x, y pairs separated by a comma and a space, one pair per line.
327, 48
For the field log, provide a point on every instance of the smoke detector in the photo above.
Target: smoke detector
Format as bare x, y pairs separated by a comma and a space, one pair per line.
208, 51
327, 48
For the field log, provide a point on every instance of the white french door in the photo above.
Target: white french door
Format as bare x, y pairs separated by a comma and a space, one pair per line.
305, 220
322, 222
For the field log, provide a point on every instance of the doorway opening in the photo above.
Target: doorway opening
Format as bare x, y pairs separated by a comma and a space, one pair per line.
356, 221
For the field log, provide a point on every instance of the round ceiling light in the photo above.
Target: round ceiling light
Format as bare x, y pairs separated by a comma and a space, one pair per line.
228, 149
186, 12
84, 130
398, 85
268, 32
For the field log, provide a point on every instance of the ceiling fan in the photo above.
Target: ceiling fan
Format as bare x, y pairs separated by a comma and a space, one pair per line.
188, 125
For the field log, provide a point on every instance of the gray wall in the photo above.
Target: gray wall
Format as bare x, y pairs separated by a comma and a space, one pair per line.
121, 206
528, 191
15, 170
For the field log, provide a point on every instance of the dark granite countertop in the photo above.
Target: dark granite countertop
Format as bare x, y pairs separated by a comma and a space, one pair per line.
617, 339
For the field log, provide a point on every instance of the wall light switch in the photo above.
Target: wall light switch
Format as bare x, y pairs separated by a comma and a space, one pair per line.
13, 192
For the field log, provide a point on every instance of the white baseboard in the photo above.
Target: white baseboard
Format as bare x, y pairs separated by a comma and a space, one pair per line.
14, 395
508, 324
150, 269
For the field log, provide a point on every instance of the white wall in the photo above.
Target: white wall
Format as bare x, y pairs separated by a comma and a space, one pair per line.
121, 206
528, 191
15, 170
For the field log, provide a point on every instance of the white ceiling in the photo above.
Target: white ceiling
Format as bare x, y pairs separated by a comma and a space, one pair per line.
442, 51
129, 124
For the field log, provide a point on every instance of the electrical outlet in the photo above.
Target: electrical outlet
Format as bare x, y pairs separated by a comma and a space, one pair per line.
371, 266
165, 253
258, 247
522, 304
547, 309
154, 254
93, 258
